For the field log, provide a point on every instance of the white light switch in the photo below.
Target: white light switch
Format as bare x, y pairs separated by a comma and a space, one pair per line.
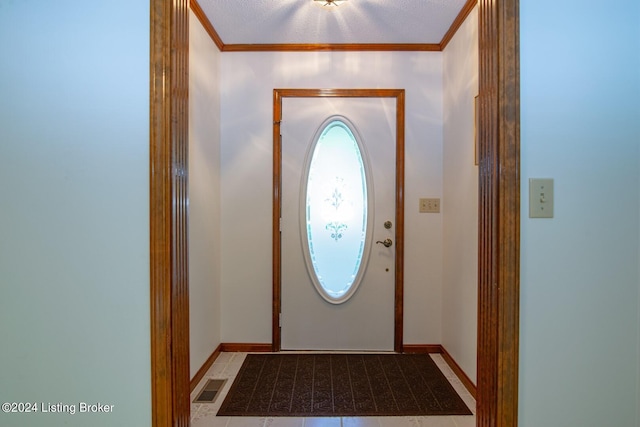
540, 198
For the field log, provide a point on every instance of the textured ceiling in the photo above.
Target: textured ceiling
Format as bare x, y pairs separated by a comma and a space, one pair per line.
308, 22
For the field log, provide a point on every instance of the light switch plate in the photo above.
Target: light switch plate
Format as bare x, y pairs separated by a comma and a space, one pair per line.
540, 198
429, 206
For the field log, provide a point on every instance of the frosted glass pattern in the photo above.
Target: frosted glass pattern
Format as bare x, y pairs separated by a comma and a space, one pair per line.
336, 212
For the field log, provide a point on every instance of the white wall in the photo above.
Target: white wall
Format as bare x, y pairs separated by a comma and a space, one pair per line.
460, 198
580, 115
74, 209
248, 80
204, 195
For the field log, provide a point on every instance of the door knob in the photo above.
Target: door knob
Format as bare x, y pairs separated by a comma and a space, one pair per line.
387, 242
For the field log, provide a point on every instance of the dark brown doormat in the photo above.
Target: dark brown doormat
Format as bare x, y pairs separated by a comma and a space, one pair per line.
329, 385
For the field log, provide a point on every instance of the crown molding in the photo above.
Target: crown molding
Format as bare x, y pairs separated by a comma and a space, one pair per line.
360, 47
457, 23
206, 23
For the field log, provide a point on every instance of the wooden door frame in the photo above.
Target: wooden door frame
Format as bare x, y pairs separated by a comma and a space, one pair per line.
499, 213
278, 96
168, 216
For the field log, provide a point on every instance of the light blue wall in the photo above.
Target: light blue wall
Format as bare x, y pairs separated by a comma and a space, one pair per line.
580, 116
74, 302
74, 240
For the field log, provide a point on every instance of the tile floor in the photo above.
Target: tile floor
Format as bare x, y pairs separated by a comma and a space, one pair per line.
227, 366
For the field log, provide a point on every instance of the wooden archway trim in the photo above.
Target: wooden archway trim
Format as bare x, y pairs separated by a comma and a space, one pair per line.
168, 172
499, 213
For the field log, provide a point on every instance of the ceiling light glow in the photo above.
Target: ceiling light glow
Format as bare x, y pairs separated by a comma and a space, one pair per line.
330, 2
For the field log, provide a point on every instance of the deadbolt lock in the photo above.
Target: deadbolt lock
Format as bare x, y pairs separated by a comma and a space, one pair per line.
387, 224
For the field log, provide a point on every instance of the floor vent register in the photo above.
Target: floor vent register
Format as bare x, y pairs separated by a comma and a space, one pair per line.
210, 391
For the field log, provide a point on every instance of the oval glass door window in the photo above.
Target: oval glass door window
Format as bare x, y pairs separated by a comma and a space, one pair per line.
335, 210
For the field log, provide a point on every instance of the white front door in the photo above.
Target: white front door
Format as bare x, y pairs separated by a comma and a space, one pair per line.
312, 319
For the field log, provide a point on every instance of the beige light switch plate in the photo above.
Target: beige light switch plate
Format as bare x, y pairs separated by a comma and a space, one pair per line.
429, 205
540, 198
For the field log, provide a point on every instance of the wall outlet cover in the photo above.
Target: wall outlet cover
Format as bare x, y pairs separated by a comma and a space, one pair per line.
429, 205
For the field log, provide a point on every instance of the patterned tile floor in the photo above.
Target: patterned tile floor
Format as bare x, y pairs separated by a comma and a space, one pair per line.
227, 366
